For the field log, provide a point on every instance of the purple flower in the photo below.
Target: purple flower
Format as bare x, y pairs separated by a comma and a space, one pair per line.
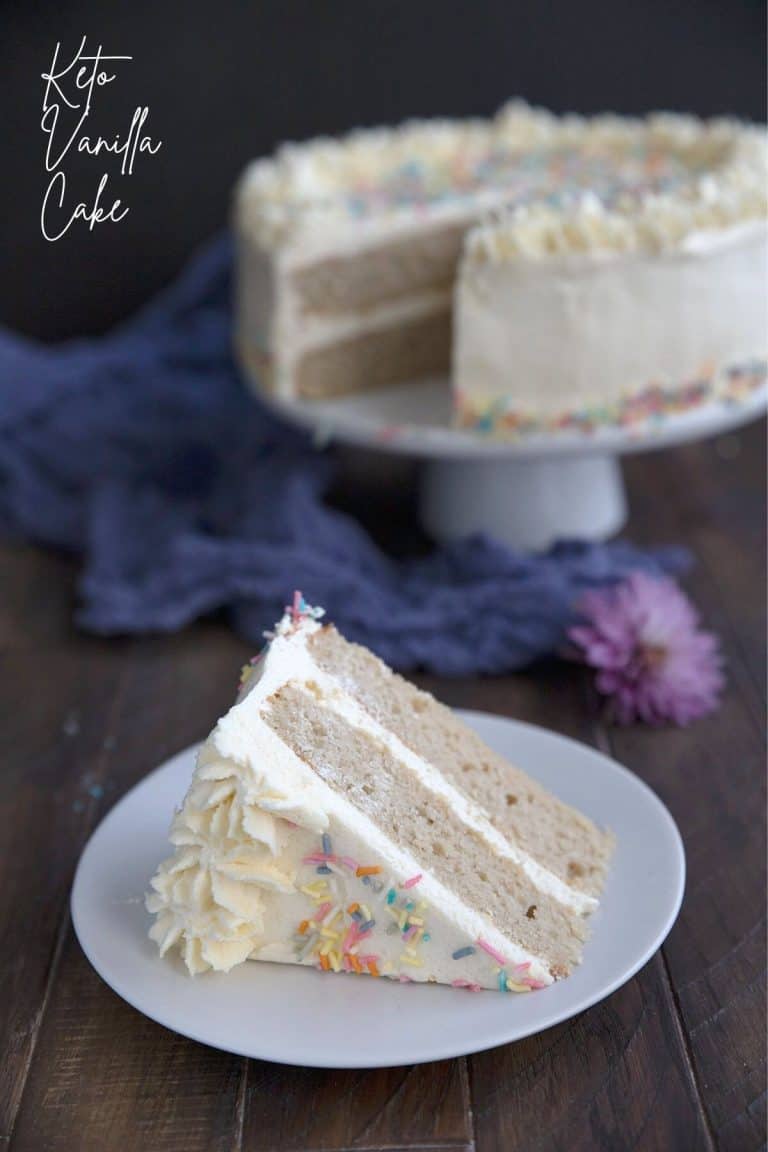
653, 661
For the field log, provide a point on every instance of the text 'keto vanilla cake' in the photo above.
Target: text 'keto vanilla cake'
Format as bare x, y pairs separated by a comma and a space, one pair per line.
615, 270
338, 817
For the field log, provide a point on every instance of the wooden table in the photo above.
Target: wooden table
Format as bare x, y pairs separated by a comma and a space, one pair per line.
675, 1060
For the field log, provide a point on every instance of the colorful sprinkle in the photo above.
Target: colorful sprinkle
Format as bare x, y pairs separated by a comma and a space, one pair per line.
368, 870
414, 880
650, 405
460, 953
391, 896
326, 840
486, 947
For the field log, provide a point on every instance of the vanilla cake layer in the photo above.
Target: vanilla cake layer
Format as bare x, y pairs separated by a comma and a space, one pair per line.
376, 358
406, 267
313, 834
344, 239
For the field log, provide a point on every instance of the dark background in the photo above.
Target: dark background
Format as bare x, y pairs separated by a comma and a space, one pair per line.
226, 81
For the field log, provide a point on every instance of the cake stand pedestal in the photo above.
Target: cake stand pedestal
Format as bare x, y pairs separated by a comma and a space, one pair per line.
527, 492
528, 503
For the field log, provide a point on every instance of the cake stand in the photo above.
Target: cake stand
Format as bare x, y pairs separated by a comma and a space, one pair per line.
528, 491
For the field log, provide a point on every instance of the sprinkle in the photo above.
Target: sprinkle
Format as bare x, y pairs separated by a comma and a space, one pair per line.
460, 953
426, 937
303, 927
372, 968
356, 964
326, 840
348, 862
318, 858
353, 908
316, 889
368, 926
377, 886
521, 967
321, 912
308, 947
368, 870
414, 880
358, 916
350, 938
415, 920
414, 961
535, 984
409, 932
323, 869
335, 960
405, 979
466, 984
324, 963
502, 981
366, 879
486, 947
511, 986
391, 896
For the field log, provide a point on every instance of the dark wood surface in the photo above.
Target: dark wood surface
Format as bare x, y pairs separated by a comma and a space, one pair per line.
674, 1060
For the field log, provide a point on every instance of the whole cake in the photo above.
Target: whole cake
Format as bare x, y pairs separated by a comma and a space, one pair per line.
341, 818
611, 268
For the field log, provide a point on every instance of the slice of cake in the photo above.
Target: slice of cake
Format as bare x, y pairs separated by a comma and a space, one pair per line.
339, 817
348, 249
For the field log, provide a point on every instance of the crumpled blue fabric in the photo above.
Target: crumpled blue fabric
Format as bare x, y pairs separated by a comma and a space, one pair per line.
143, 453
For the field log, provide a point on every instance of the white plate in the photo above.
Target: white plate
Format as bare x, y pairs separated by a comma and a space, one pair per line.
301, 1016
415, 420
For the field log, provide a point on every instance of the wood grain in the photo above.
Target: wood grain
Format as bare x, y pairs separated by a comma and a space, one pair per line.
674, 1060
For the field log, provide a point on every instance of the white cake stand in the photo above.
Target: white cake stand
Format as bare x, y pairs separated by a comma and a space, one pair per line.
529, 491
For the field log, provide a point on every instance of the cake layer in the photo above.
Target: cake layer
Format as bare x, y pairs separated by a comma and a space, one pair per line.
377, 358
562, 839
359, 766
421, 262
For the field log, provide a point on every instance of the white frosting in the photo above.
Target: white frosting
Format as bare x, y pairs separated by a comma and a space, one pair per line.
581, 329
233, 889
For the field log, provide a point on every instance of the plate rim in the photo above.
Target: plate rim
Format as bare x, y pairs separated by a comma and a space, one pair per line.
450, 1050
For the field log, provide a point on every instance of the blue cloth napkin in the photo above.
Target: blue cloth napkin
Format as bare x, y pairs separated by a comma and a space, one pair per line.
143, 453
